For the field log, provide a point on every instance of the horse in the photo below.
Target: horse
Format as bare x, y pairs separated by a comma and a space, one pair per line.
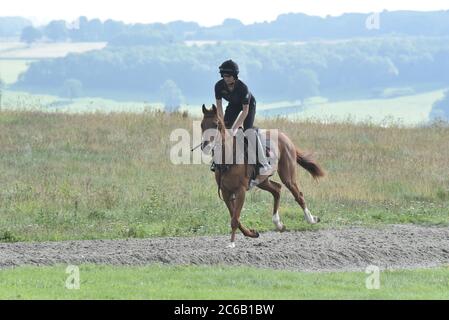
233, 180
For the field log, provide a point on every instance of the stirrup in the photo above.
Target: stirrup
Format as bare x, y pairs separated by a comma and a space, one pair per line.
212, 167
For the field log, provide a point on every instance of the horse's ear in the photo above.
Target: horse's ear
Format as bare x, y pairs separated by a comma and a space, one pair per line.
204, 109
214, 108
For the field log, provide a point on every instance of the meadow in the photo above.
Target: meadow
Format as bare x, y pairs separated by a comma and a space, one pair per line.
411, 109
408, 110
10, 69
16, 56
26, 101
220, 282
108, 175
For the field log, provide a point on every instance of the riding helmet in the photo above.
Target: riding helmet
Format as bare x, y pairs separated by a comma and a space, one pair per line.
229, 67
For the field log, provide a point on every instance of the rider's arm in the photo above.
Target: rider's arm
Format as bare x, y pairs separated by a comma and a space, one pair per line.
241, 118
246, 96
220, 108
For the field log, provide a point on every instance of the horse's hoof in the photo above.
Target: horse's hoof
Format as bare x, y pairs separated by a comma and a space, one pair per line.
317, 219
255, 234
231, 245
283, 228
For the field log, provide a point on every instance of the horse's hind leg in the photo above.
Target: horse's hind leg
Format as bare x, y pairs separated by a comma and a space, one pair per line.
287, 173
275, 189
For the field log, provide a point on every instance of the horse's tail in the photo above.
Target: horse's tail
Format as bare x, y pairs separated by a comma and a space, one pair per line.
306, 161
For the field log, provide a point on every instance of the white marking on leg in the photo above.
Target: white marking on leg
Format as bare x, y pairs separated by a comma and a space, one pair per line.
277, 221
309, 217
231, 245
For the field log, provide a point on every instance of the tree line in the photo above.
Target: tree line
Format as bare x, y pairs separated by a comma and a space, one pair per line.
287, 27
111, 31
277, 71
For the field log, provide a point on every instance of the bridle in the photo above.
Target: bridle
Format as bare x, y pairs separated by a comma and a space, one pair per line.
214, 144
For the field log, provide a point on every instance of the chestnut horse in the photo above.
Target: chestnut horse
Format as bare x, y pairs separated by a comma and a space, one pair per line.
234, 182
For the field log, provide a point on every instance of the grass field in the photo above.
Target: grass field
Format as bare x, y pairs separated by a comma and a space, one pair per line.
69, 172
16, 56
11, 69
193, 282
407, 110
21, 100
90, 176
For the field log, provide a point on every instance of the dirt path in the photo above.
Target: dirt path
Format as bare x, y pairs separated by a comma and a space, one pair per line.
398, 246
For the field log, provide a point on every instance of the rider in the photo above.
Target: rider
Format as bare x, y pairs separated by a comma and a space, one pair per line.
241, 109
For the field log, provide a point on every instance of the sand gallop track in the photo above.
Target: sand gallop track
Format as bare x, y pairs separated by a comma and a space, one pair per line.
391, 247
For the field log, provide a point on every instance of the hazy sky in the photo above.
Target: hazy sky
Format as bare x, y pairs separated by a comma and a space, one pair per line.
205, 12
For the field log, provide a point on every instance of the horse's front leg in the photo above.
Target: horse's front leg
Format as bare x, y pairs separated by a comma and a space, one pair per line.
229, 200
234, 201
235, 219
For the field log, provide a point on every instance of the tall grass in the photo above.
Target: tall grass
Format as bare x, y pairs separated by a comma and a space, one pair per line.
84, 176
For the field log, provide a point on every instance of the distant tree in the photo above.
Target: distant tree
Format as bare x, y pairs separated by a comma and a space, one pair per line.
79, 32
440, 109
113, 28
30, 34
171, 96
72, 88
95, 30
56, 30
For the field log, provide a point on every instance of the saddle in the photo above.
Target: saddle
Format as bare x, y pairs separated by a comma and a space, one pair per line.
254, 173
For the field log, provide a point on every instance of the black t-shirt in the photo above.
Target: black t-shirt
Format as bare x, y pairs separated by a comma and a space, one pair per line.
237, 97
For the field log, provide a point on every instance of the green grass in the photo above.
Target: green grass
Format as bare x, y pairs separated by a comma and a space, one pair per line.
198, 282
91, 176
